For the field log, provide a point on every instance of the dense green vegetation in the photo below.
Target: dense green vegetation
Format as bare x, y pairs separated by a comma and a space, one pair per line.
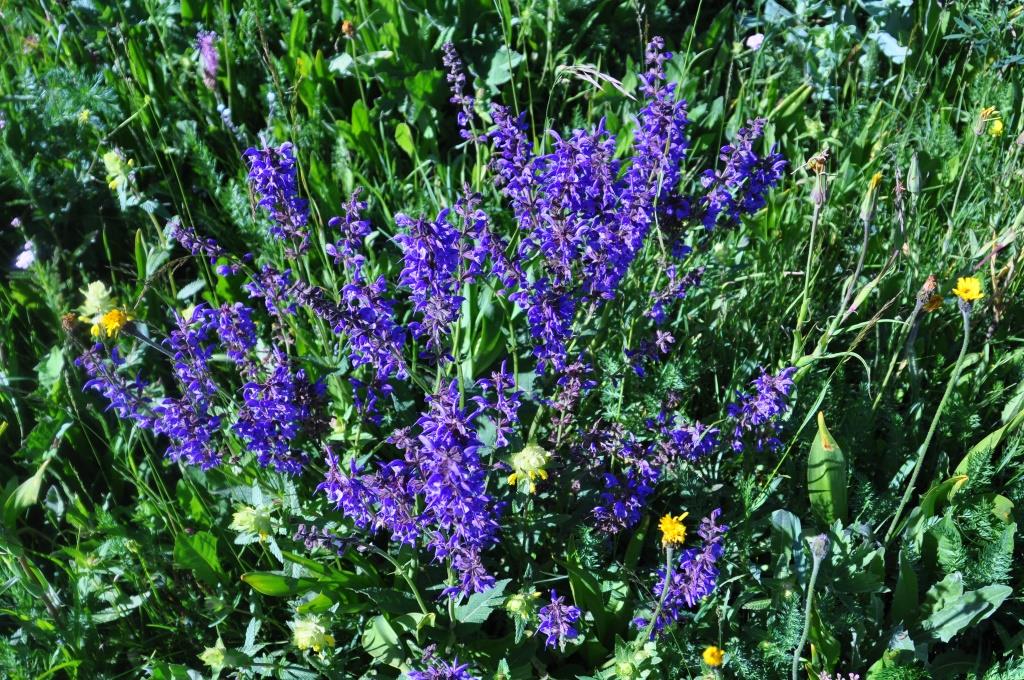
877, 536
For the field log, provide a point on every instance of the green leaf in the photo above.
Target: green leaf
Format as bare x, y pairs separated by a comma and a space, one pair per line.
26, 495
380, 641
989, 443
403, 137
968, 610
503, 63
191, 289
480, 605
826, 476
198, 553
277, 585
904, 600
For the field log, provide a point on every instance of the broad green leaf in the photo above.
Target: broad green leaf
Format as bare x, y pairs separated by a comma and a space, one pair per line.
403, 137
503, 63
380, 641
26, 495
968, 610
904, 600
277, 585
826, 476
198, 553
480, 605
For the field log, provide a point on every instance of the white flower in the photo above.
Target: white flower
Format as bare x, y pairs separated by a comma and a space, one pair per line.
26, 257
754, 41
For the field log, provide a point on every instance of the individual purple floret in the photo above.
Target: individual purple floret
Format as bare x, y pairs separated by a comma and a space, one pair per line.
456, 77
504, 408
277, 412
208, 248
209, 60
693, 577
755, 415
558, 622
273, 177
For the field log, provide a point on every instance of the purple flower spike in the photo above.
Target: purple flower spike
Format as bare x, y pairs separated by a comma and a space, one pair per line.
558, 621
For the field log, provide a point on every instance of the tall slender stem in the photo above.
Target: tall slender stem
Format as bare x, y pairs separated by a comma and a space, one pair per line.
966, 311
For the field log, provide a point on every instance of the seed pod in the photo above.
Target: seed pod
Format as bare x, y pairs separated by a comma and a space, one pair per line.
826, 476
914, 176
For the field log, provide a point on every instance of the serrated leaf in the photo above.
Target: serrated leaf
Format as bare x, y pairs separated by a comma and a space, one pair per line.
826, 476
480, 605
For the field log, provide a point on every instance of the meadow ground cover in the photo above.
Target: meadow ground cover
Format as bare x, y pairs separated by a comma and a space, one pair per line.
513, 339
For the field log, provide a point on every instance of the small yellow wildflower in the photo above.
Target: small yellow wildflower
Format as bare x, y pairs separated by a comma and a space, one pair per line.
309, 633
968, 289
713, 656
934, 302
528, 465
996, 128
876, 179
83, 116
673, 531
111, 323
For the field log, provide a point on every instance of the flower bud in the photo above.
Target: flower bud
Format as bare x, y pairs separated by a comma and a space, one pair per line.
914, 176
867, 206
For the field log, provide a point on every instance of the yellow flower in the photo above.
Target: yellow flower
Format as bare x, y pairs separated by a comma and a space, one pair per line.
309, 633
673, 531
968, 289
876, 179
713, 656
528, 465
934, 302
83, 116
996, 128
111, 323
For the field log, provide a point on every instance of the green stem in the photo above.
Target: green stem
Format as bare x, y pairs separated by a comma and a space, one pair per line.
807, 609
664, 593
804, 306
966, 311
